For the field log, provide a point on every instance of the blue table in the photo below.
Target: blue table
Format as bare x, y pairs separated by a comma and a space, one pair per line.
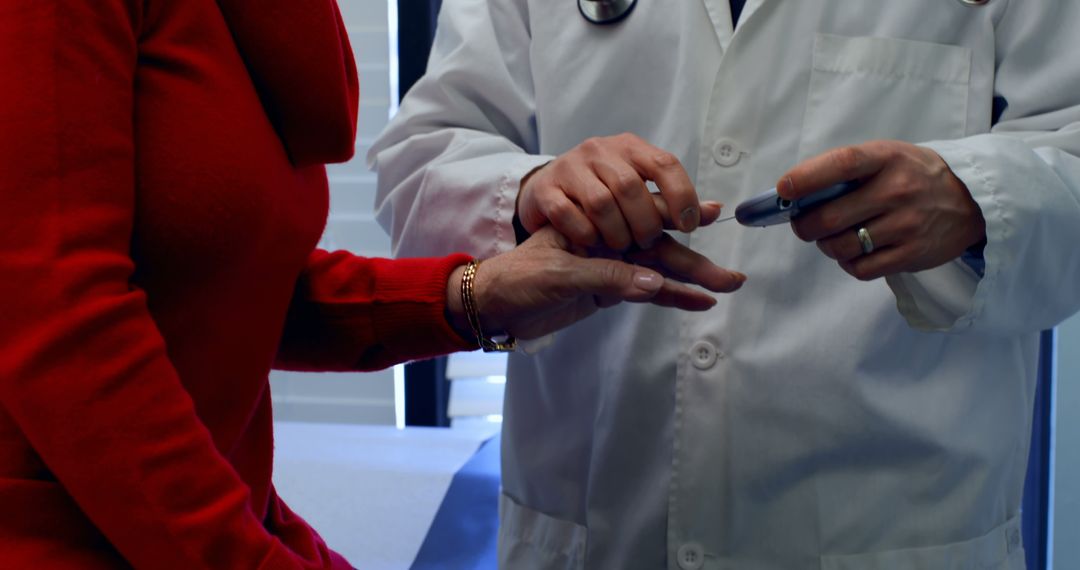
463, 534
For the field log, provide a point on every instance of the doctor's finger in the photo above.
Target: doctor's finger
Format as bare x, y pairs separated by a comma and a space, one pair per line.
566, 217
602, 209
634, 201
887, 261
679, 262
676, 188
841, 164
710, 211
845, 246
840, 214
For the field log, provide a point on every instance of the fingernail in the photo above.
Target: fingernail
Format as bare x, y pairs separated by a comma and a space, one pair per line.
648, 281
688, 219
785, 187
741, 277
712, 204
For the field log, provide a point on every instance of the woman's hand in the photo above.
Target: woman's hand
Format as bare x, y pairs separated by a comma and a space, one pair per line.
595, 194
541, 286
916, 213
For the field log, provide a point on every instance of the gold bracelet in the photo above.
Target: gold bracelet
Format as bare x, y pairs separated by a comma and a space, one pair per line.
468, 298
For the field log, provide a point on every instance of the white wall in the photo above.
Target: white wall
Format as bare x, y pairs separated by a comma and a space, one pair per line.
1066, 519
352, 398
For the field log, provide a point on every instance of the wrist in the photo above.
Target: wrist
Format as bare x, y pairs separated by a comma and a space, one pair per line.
455, 307
528, 175
464, 313
521, 230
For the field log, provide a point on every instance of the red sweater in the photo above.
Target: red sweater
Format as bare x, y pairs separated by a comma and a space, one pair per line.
161, 193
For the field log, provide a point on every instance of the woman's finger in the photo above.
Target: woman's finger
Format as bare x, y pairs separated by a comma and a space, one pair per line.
679, 296
680, 262
612, 279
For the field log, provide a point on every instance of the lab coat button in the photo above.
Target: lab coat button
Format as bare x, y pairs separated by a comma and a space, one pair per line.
726, 152
691, 556
703, 354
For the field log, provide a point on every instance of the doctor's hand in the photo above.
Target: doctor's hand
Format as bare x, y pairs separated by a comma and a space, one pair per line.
595, 194
916, 213
540, 286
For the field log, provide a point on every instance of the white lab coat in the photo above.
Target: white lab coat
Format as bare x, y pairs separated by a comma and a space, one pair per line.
809, 420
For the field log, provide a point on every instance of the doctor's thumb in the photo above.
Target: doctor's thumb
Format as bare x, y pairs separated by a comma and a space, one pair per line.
611, 278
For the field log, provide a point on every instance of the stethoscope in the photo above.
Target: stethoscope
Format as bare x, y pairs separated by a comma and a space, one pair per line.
605, 11
611, 11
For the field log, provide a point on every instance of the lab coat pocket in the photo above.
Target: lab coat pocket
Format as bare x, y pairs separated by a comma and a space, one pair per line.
999, 549
864, 88
529, 539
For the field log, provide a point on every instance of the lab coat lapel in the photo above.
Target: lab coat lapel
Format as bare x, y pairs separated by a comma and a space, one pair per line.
749, 9
720, 14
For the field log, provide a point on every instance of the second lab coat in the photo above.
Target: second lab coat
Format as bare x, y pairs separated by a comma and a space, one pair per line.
809, 420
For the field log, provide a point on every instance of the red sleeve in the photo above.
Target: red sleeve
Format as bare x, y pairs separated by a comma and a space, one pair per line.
83, 369
356, 313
